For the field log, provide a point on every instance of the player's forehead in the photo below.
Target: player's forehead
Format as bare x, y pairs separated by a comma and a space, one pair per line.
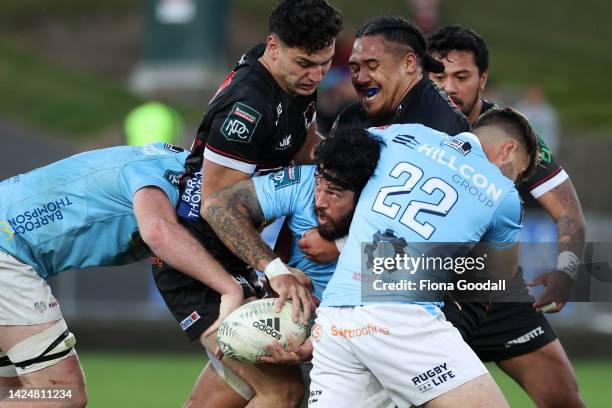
319, 57
370, 48
457, 60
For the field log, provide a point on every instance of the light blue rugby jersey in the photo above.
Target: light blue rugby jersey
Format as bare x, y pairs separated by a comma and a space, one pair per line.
290, 192
78, 212
427, 187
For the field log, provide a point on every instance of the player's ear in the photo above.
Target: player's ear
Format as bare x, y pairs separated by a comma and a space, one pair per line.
273, 45
483, 80
510, 150
410, 63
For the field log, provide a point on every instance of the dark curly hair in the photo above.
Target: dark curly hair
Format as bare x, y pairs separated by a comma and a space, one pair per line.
349, 158
447, 39
308, 24
401, 31
515, 126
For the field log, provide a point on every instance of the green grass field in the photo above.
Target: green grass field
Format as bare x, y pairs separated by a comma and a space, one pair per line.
165, 380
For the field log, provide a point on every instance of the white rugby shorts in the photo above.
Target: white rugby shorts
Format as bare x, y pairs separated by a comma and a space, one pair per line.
415, 354
25, 297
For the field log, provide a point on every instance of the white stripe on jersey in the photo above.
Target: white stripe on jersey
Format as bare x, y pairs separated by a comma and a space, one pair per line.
548, 185
229, 162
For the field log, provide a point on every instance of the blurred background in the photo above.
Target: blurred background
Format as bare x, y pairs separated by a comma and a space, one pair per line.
77, 75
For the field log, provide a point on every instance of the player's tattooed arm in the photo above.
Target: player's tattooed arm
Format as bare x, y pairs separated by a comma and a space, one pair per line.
234, 213
563, 205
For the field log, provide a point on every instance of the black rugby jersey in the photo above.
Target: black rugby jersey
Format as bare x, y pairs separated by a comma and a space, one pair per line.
252, 123
426, 103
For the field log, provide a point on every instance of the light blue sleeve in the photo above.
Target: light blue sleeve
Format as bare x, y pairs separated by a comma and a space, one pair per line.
284, 192
160, 172
507, 222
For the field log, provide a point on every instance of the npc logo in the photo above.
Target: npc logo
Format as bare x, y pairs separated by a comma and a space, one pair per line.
241, 123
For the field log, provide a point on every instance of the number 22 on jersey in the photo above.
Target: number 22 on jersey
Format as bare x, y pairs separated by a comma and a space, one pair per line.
408, 218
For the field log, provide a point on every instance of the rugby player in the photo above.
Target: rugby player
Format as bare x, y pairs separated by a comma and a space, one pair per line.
538, 363
310, 198
389, 66
105, 207
389, 70
418, 357
261, 118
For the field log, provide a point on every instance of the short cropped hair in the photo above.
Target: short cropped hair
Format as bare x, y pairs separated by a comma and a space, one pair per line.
349, 158
308, 24
401, 31
457, 38
517, 127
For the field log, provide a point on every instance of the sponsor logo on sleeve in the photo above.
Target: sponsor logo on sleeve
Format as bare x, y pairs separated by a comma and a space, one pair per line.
173, 177
286, 177
240, 124
459, 145
190, 320
172, 148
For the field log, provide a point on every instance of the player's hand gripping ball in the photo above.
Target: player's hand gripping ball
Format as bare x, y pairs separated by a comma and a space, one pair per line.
248, 330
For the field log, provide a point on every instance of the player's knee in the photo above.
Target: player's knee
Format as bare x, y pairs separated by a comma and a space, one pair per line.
43, 349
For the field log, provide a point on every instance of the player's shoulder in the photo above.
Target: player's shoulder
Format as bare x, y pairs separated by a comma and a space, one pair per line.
441, 106
249, 83
410, 130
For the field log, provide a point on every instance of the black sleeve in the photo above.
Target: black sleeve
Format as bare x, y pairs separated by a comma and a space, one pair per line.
239, 130
547, 175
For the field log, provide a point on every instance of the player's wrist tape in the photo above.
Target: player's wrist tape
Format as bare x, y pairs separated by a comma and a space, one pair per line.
567, 262
276, 268
341, 242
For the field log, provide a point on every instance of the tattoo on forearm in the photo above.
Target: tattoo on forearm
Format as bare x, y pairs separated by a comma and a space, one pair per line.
233, 214
570, 225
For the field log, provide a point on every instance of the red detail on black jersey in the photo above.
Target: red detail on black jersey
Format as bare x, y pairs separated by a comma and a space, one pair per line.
544, 179
233, 156
225, 84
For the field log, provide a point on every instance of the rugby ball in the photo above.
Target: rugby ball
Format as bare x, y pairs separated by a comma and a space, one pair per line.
248, 330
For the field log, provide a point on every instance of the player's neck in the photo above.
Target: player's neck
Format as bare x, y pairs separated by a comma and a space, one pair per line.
475, 112
411, 84
268, 64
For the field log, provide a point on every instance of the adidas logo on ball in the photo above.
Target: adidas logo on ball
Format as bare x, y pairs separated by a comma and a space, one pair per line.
269, 326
